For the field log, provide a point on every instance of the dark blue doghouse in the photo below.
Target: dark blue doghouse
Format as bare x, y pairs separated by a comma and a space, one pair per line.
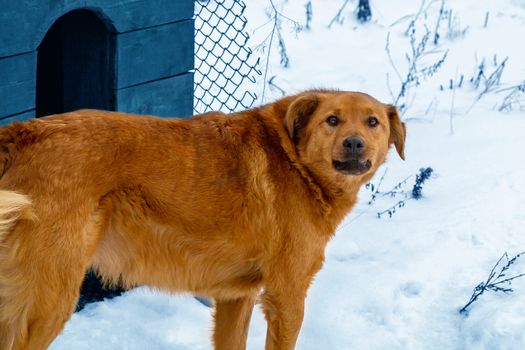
134, 56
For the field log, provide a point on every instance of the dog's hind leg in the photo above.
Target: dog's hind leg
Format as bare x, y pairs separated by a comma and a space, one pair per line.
42, 266
51, 308
232, 319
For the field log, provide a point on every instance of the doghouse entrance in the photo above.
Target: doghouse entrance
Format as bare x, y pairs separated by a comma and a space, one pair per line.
75, 65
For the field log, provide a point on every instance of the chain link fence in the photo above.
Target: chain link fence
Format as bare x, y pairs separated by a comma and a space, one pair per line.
225, 68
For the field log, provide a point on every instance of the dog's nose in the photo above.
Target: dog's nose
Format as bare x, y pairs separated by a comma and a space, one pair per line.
354, 145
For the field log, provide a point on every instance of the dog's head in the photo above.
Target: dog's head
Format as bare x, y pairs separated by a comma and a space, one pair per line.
343, 133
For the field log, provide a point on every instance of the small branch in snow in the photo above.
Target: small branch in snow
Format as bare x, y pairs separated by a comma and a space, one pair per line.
273, 85
375, 189
338, 16
494, 79
490, 83
276, 18
452, 103
497, 280
421, 178
392, 210
309, 14
414, 74
438, 22
398, 190
514, 99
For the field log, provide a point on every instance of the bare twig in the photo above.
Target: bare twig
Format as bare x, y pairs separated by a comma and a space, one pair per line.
309, 14
389, 54
418, 13
486, 21
495, 280
494, 79
489, 83
452, 103
273, 85
414, 74
337, 18
516, 97
438, 22
276, 18
275, 24
375, 189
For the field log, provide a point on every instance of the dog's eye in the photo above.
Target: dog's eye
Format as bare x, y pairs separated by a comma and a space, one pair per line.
332, 120
373, 122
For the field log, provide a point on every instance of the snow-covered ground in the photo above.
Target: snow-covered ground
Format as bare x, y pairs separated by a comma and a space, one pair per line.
389, 283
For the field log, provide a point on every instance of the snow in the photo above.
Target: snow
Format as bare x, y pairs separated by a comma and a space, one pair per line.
389, 283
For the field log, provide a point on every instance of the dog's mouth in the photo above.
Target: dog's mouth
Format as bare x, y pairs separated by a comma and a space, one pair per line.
352, 166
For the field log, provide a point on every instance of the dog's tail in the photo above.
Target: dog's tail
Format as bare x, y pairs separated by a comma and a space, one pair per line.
13, 206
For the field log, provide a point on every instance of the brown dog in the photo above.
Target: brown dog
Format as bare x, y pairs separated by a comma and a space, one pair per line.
221, 206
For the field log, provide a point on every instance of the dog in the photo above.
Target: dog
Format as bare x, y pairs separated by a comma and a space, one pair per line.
235, 207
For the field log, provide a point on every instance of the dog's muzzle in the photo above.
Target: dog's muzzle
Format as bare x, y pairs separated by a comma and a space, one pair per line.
353, 162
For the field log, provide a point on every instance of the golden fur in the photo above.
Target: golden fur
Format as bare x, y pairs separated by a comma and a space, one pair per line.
217, 205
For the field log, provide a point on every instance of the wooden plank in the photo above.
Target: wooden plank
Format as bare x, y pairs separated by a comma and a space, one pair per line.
170, 97
18, 117
17, 83
154, 53
130, 15
24, 23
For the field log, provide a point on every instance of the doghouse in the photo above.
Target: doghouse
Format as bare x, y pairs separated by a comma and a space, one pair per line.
134, 56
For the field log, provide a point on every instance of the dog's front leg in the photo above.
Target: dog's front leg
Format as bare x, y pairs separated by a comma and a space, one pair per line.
284, 314
286, 284
232, 318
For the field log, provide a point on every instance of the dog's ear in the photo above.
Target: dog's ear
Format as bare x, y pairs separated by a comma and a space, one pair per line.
299, 113
397, 131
